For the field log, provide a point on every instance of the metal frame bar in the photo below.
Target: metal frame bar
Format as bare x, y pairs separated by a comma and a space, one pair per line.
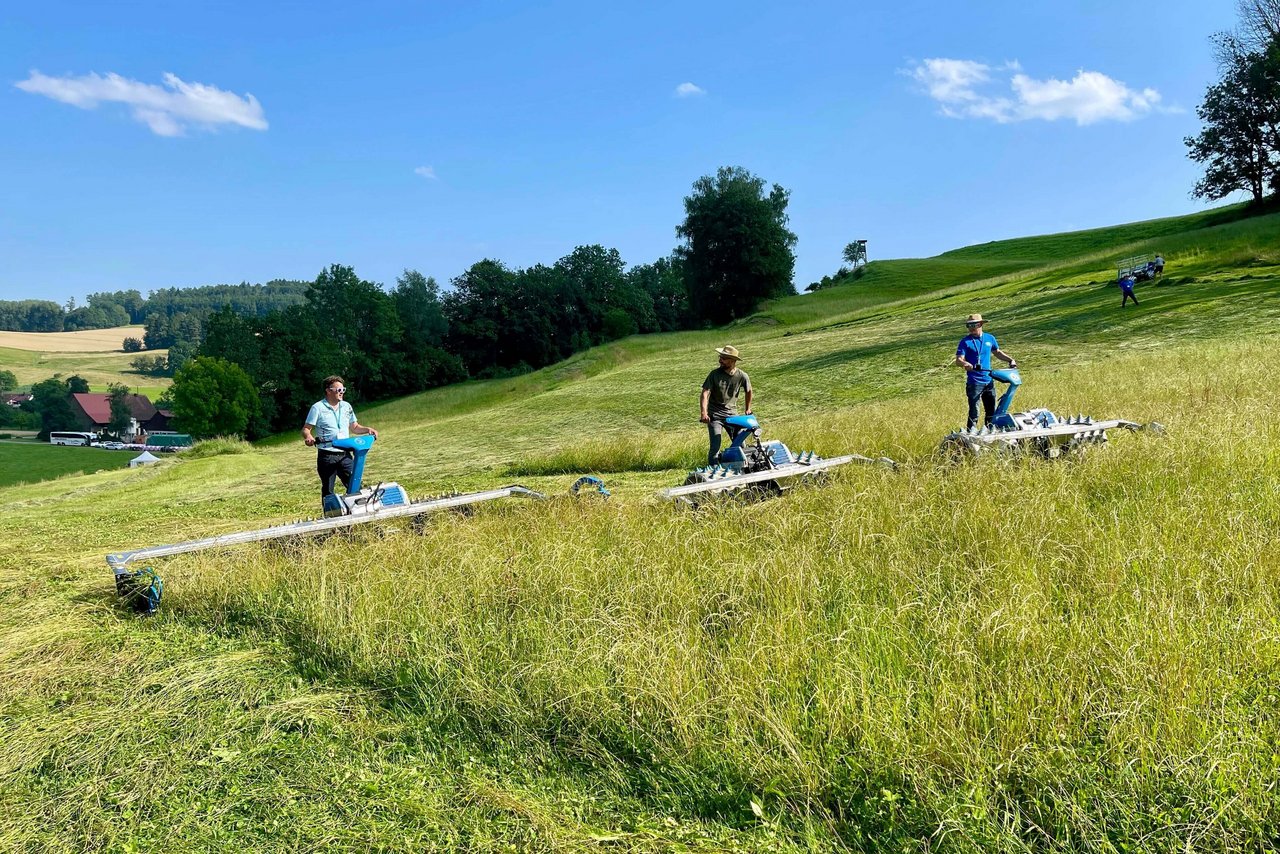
119, 561
779, 473
1054, 431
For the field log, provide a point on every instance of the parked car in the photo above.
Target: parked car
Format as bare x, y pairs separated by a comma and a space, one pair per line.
113, 446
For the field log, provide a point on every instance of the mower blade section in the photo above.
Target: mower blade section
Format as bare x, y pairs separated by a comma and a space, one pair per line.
1062, 430
797, 469
120, 561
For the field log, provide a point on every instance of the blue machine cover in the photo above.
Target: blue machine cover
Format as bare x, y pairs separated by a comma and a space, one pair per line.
362, 442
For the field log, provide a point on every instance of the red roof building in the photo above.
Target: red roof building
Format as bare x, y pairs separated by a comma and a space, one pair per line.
93, 411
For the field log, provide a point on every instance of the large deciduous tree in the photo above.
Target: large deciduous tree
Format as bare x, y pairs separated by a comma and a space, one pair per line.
663, 281
360, 323
1259, 23
424, 362
738, 250
121, 417
51, 400
1240, 141
213, 397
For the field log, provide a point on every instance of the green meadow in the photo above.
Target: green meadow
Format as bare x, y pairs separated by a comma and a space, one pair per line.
1002, 654
30, 462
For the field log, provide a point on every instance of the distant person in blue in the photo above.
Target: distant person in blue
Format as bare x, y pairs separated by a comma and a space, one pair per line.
974, 355
1126, 288
1159, 262
329, 419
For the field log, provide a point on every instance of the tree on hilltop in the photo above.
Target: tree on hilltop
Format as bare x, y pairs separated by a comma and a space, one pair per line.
1240, 141
738, 250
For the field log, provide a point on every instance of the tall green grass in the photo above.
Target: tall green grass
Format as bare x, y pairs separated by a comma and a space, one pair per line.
1004, 655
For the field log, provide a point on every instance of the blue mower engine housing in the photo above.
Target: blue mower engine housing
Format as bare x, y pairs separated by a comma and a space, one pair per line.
359, 501
743, 456
763, 468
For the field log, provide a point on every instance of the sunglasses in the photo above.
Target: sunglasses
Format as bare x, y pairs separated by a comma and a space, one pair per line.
338, 390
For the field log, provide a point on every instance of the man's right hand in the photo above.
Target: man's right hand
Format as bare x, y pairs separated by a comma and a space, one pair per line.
309, 441
704, 418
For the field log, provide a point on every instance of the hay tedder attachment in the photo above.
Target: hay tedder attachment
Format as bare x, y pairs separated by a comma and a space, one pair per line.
1036, 430
765, 468
384, 501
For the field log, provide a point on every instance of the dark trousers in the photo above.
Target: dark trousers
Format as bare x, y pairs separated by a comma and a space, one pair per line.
715, 428
1128, 295
330, 465
986, 392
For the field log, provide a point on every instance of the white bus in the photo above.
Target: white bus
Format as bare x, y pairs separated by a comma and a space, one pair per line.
70, 438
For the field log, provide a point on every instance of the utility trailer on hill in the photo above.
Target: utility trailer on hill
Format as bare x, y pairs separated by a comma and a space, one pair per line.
1141, 268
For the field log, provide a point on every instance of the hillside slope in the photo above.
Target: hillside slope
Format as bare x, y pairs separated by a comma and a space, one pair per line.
1003, 655
94, 354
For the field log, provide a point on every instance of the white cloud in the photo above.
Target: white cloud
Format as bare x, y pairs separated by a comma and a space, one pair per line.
963, 88
689, 90
168, 110
427, 172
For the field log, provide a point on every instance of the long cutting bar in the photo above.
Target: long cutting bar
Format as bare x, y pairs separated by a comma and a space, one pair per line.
120, 561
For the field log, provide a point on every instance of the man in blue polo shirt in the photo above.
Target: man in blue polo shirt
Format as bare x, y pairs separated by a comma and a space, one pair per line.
974, 355
329, 419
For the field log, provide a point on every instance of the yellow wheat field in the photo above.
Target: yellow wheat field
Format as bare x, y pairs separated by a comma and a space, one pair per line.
87, 341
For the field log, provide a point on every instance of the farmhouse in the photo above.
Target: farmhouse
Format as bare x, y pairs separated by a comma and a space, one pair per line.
13, 398
93, 412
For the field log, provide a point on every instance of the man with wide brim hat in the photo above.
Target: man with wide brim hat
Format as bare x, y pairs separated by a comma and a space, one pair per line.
974, 355
719, 398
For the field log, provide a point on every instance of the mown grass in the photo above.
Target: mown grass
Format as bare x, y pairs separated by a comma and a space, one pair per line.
1002, 655
22, 462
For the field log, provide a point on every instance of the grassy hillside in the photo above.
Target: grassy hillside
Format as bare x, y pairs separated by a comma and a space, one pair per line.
94, 355
1003, 655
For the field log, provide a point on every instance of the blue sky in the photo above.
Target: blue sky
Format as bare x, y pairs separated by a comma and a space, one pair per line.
148, 145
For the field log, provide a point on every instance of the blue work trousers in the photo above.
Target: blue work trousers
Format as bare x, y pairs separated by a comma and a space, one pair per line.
986, 392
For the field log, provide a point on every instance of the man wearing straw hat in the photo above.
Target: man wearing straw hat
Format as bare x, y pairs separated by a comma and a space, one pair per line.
720, 398
974, 355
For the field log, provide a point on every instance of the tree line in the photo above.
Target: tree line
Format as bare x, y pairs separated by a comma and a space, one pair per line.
162, 311
256, 375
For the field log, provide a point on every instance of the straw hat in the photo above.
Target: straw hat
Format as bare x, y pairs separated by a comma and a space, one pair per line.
975, 320
731, 352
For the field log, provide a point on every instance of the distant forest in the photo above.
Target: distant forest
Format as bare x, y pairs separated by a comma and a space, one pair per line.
123, 308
